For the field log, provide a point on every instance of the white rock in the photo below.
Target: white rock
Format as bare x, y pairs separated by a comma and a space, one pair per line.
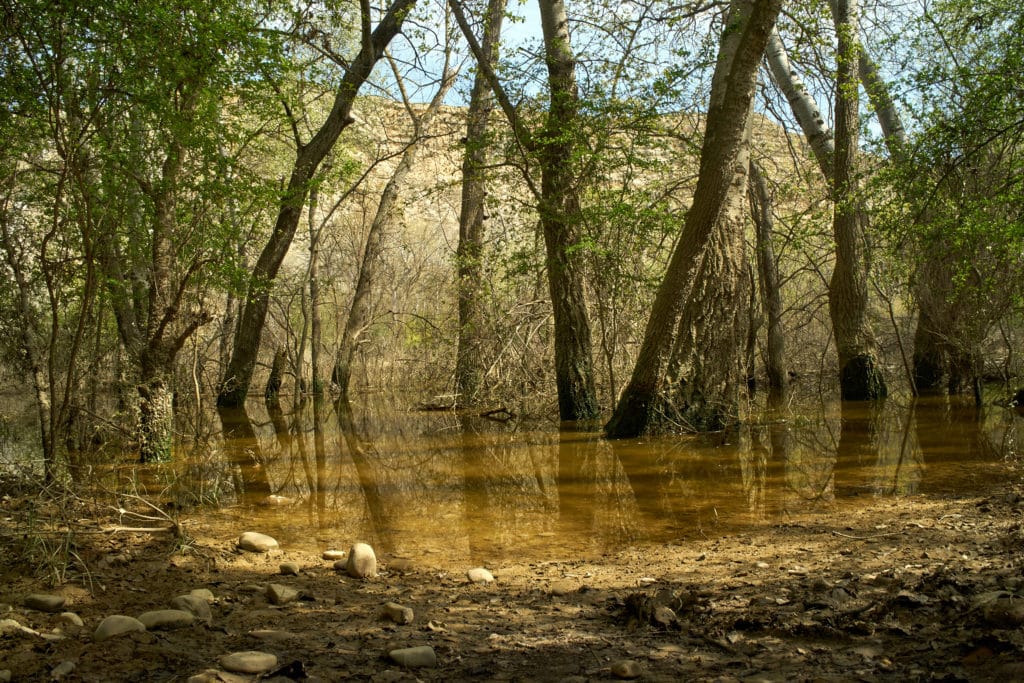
480, 575
204, 594
72, 619
334, 555
362, 561
413, 657
249, 662
115, 625
256, 542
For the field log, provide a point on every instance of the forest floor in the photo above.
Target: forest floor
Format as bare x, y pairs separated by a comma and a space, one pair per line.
900, 589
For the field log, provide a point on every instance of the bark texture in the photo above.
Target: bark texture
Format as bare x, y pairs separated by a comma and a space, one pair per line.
859, 377
771, 294
743, 45
560, 219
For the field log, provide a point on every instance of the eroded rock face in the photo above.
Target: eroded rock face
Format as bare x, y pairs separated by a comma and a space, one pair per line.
255, 542
362, 561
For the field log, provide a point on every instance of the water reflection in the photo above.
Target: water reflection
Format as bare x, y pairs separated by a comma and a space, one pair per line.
469, 489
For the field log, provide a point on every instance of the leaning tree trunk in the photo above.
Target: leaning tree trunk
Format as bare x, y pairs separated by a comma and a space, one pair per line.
742, 47
859, 377
706, 364
469, 360
237, 377
560, 219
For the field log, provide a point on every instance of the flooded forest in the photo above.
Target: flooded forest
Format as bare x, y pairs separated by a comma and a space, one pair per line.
691, 331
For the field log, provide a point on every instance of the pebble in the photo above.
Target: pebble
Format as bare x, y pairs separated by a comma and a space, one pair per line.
278, 594
72, 619
5, 675
271, 635
397, 613
115, 625
480, 575
627, 669
256, 542
63, 669
199, 607
340, 565
289, 568
166, 619
414, 657
203, 594
44, 602
216, 676
249, 662
334, 555
362, 561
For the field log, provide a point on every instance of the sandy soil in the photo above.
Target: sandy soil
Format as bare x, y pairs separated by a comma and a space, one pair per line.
903, 589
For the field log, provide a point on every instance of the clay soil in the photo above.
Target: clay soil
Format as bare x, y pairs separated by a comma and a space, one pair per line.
898, 589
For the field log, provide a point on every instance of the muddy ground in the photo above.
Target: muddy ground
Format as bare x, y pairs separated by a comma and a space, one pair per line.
900, 589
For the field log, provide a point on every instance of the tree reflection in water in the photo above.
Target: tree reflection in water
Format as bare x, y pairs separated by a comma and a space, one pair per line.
470, 489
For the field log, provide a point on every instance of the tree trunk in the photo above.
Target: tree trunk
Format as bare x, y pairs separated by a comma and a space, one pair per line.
771, 294
859, 378
742, 47
316, 382
560, 220
388, 211
469, 362
155, 430
238, 375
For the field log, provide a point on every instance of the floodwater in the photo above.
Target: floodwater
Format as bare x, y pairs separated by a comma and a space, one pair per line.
467, 489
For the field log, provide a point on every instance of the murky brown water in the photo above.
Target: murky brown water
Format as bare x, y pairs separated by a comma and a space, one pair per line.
468, 489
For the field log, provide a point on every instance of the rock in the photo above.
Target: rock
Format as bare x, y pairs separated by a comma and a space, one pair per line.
334, 555
116, 625
627, 669
199, 607
61, 670
414, 657
362, 562
664, 616
256, 542
397, 613
11, 627
166, 619
280, 595
562, 589
289, 569
1006, 613
5, 676
480, 575
276, 501
340, 565
203, 594
249, 662
216, 676
44, 602
71, 619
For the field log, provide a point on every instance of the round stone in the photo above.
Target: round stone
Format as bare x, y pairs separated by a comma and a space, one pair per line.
117, 624
255, 542
414, 657
362, 561
480, 575
166, 619
249, 662
195, 604
44, 602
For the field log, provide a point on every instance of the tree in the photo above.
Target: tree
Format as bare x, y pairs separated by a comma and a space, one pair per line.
469, 361
742, 46
859, 376
308, 157
558, 204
